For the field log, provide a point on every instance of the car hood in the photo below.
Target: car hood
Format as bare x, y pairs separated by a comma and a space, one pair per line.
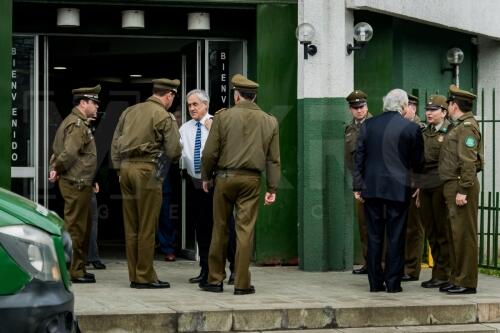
26, 211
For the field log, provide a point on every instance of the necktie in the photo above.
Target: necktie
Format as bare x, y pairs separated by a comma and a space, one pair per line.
197, 148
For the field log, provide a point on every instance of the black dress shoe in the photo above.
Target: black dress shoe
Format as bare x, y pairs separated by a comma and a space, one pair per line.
200, 278
407, 278
98, 264
230, 281
461, 290
394, 290
83, 279
444, 288
151, 285
89, 275
362, 270
214, 288
248, 291
433, 283
377, 289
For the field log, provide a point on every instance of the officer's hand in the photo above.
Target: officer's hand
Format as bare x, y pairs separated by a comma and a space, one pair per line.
269, 198
208, 123
207, 185
416, 195
53, 176
96, 187
461, 199
357, 196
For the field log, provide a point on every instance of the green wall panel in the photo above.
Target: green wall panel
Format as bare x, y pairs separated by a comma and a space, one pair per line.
276, 230
5, 89
373, 65
325, 197
411, 56
423, 56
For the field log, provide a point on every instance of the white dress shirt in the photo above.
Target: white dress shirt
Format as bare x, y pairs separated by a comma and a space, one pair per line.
188, 136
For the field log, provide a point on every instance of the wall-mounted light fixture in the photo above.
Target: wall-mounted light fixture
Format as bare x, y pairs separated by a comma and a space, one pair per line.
305, 34
133, 19
363, 33
198, 21
68, 17
455, 57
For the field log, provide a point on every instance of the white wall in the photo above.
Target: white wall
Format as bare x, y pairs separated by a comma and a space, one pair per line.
489, 79
472, 16
330, 72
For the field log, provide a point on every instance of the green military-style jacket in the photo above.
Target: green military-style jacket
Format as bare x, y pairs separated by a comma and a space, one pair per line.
74, 151
461, 155
243, 138
351, 133
143, 131
433, 141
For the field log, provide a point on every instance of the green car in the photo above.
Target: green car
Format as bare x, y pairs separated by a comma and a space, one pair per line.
35, 294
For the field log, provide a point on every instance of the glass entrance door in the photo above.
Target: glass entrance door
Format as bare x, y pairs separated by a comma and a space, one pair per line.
125, 75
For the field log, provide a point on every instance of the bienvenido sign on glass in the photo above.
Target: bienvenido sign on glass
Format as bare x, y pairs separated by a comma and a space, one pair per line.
21, 85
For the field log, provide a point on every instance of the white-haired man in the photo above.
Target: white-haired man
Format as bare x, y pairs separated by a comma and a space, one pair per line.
389, 148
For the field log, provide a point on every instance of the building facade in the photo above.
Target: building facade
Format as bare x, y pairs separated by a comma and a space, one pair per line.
41, 61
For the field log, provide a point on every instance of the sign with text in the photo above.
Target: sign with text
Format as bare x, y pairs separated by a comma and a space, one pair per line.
22, 103
219, 79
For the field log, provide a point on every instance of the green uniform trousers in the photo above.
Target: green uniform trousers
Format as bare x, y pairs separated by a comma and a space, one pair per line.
463, 224
437, 227
77, 222
241, 192
363, 235
414, 244
142, 198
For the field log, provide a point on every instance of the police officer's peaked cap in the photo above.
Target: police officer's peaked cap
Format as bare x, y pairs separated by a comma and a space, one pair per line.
88, 93
166, 84
412, 99
456, 93
357, 98
435, 102
241, 83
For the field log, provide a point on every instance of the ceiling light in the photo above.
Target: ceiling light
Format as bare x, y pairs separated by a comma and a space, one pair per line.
68, 17
198, 21
135, 75
60, 68
133, 19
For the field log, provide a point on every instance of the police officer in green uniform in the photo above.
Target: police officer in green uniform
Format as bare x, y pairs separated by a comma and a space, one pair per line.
414, 244
145, 134
359, 110
430, 196
73, 163
460, 160
243, 142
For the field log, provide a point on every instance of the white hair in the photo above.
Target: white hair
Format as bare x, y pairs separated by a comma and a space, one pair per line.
395, 100
201, 94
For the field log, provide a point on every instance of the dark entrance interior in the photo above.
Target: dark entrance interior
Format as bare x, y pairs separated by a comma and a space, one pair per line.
124, 67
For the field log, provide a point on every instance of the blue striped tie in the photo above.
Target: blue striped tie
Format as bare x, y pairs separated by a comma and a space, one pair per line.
197, 148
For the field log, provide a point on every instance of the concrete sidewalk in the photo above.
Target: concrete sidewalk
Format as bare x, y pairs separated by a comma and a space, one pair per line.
286, 299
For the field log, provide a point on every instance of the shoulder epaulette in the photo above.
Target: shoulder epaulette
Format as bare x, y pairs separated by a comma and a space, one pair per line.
467, 123
78, 122
172, 116
221, 110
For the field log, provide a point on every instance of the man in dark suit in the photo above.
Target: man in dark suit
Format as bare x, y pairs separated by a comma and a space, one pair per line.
388, 149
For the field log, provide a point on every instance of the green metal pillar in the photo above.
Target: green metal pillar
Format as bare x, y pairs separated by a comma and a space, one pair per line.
276, 230
5, 89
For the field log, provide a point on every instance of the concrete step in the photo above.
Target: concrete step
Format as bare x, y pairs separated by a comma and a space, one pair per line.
438, 318
470, 328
